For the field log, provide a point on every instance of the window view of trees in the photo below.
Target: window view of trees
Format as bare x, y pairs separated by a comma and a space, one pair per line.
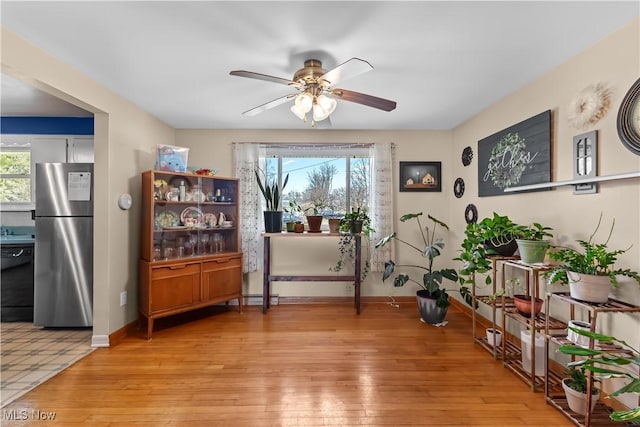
333, 185
15, 176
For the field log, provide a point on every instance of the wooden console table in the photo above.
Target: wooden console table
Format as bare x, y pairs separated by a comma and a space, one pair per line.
268, 277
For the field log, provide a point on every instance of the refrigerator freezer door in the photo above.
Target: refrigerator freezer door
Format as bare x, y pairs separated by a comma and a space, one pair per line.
63, 286
64, 189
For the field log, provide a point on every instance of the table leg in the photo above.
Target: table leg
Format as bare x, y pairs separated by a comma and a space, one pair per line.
266, 272
358, 268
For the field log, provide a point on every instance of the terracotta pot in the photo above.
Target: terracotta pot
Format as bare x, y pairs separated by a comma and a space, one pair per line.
334, 225
314, 222
299, 227
523, 305
589, 288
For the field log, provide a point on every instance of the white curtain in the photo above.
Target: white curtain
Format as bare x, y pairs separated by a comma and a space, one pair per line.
381, 155
246, 160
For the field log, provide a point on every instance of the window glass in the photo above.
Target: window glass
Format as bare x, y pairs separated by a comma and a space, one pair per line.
15, 176
333, 185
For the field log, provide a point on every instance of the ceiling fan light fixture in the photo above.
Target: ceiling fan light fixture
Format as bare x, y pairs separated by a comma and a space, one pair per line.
304, 101
295, 109
323, 107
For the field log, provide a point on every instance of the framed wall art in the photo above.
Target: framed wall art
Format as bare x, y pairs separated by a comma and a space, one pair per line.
420, 176
518, 155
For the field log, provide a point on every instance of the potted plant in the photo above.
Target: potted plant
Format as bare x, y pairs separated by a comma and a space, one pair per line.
532, 245
433, 299
607, 364
346, 242
575, 389
314, 218
356, 221
490, 237
294, 211
590, 273
334, 222
271, 193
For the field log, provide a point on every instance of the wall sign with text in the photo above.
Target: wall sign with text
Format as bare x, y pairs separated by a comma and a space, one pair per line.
518, 155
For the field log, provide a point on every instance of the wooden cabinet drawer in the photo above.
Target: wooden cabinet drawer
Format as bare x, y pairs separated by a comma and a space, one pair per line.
174, 287
222, 277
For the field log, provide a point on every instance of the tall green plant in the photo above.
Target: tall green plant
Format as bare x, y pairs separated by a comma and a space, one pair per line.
432, 278
271, 191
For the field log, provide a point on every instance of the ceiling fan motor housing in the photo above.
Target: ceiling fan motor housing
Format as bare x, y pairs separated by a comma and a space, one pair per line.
310, 73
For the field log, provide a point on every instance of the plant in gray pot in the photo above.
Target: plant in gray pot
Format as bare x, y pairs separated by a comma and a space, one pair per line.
433, 299
272, 192
531, 241
590, 273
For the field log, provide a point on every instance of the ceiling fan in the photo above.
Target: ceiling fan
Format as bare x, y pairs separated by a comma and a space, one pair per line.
316, 92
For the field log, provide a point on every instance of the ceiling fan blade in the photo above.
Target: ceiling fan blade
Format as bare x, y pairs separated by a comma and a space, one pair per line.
346, 70
268, 105
265, 77
361, 98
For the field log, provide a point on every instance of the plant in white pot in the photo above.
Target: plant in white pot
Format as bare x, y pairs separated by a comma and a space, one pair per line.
616, 362
590, 273
575, 388
433, 299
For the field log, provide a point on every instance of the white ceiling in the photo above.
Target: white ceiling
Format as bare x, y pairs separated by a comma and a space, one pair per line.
443, 62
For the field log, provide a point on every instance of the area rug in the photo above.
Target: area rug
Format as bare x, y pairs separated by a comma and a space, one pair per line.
31, 355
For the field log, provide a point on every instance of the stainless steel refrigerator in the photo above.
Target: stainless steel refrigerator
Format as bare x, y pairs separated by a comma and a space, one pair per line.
63, 283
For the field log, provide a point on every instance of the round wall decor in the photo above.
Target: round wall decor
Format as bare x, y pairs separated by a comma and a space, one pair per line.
471, 213
629, 119
467, 156
458, 187
589, 106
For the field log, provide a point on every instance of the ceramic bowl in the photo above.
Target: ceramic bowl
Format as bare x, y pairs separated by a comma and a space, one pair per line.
523, 305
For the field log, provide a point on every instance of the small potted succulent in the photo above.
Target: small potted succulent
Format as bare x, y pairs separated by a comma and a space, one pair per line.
294, 212
590, 273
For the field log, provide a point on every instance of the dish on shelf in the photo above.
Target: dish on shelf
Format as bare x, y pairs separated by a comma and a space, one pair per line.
211, 219
194, 214
166, 219
175, 227
196, 196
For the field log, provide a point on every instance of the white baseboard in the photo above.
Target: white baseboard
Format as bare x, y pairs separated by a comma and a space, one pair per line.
99, 341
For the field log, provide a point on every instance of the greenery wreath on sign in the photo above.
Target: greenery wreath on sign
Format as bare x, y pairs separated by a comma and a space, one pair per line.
507, 161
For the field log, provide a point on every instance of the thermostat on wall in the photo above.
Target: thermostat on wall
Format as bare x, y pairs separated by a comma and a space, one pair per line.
124, 201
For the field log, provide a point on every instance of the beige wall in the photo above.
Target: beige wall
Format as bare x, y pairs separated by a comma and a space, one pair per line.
615, 61
125, 139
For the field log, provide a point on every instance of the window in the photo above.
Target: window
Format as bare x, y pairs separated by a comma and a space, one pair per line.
333, 178
15, 175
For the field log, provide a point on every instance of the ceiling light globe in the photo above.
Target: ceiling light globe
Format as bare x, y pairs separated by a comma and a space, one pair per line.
298, 112
304, 101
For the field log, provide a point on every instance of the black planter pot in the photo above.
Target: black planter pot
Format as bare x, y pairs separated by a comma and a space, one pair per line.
356, 227
272, 221
428, 308
505, 250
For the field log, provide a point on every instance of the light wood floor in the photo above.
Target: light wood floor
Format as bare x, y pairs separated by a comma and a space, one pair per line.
299, 365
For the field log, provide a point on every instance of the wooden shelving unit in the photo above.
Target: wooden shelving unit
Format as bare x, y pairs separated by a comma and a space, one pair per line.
535, 324
554, 393
495, 303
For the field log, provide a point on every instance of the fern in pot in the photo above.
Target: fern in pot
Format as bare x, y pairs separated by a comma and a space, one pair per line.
590, 273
